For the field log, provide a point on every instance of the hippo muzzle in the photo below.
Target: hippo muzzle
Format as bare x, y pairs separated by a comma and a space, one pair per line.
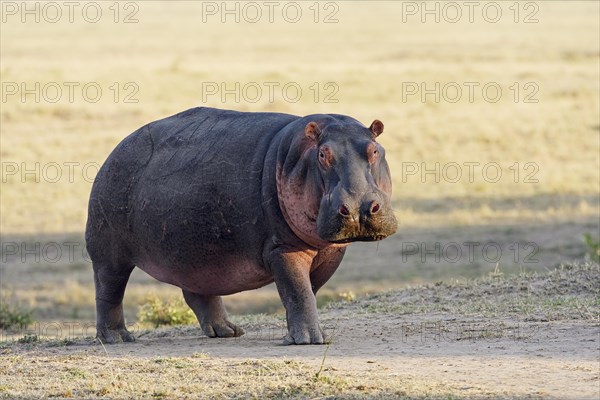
349, 218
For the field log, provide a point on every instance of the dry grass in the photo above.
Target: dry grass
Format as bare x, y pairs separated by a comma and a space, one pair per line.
568, 292
203, 377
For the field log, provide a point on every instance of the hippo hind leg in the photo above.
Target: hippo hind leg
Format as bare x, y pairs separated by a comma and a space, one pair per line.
110, 281
212, 316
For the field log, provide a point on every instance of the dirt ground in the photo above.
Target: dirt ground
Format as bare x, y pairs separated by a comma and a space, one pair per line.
527, 336
549, 360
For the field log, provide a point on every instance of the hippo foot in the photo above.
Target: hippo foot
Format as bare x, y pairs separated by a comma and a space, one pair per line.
112, 336
222, 329
305, 336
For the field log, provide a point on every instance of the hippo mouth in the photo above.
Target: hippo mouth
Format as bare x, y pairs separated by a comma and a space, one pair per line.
374, 238
340, 234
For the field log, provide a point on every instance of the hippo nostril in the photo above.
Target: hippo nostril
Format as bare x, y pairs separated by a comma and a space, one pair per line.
343, 210
375, 208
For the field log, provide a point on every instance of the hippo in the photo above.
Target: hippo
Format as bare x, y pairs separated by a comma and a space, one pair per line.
217, 202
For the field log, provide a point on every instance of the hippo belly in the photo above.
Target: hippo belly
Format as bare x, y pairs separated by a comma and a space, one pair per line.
230, 275
208, 239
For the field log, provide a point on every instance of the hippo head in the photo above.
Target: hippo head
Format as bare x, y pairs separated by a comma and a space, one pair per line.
344, 191
355, 205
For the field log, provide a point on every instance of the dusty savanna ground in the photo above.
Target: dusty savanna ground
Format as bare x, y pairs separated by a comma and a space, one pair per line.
524, 336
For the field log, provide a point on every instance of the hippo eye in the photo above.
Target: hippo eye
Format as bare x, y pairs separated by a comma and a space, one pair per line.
325, 157
372, 153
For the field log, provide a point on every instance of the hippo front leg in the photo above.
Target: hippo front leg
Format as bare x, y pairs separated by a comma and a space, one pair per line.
291, 271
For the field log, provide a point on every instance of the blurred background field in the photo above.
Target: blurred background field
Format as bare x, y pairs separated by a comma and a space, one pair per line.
536, 213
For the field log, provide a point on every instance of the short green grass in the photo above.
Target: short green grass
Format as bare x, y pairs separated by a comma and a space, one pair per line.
593, 247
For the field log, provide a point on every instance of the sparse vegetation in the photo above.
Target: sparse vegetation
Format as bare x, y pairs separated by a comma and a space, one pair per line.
158, 312
28, 339
14, 316
333, 297
593, 246
568, 292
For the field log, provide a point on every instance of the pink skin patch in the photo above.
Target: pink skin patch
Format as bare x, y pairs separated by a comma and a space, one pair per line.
300, 207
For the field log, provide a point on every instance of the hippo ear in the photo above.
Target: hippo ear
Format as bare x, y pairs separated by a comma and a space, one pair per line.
376, 128
312, 131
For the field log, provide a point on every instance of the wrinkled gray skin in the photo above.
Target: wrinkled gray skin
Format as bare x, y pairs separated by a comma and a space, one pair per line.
217, 202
